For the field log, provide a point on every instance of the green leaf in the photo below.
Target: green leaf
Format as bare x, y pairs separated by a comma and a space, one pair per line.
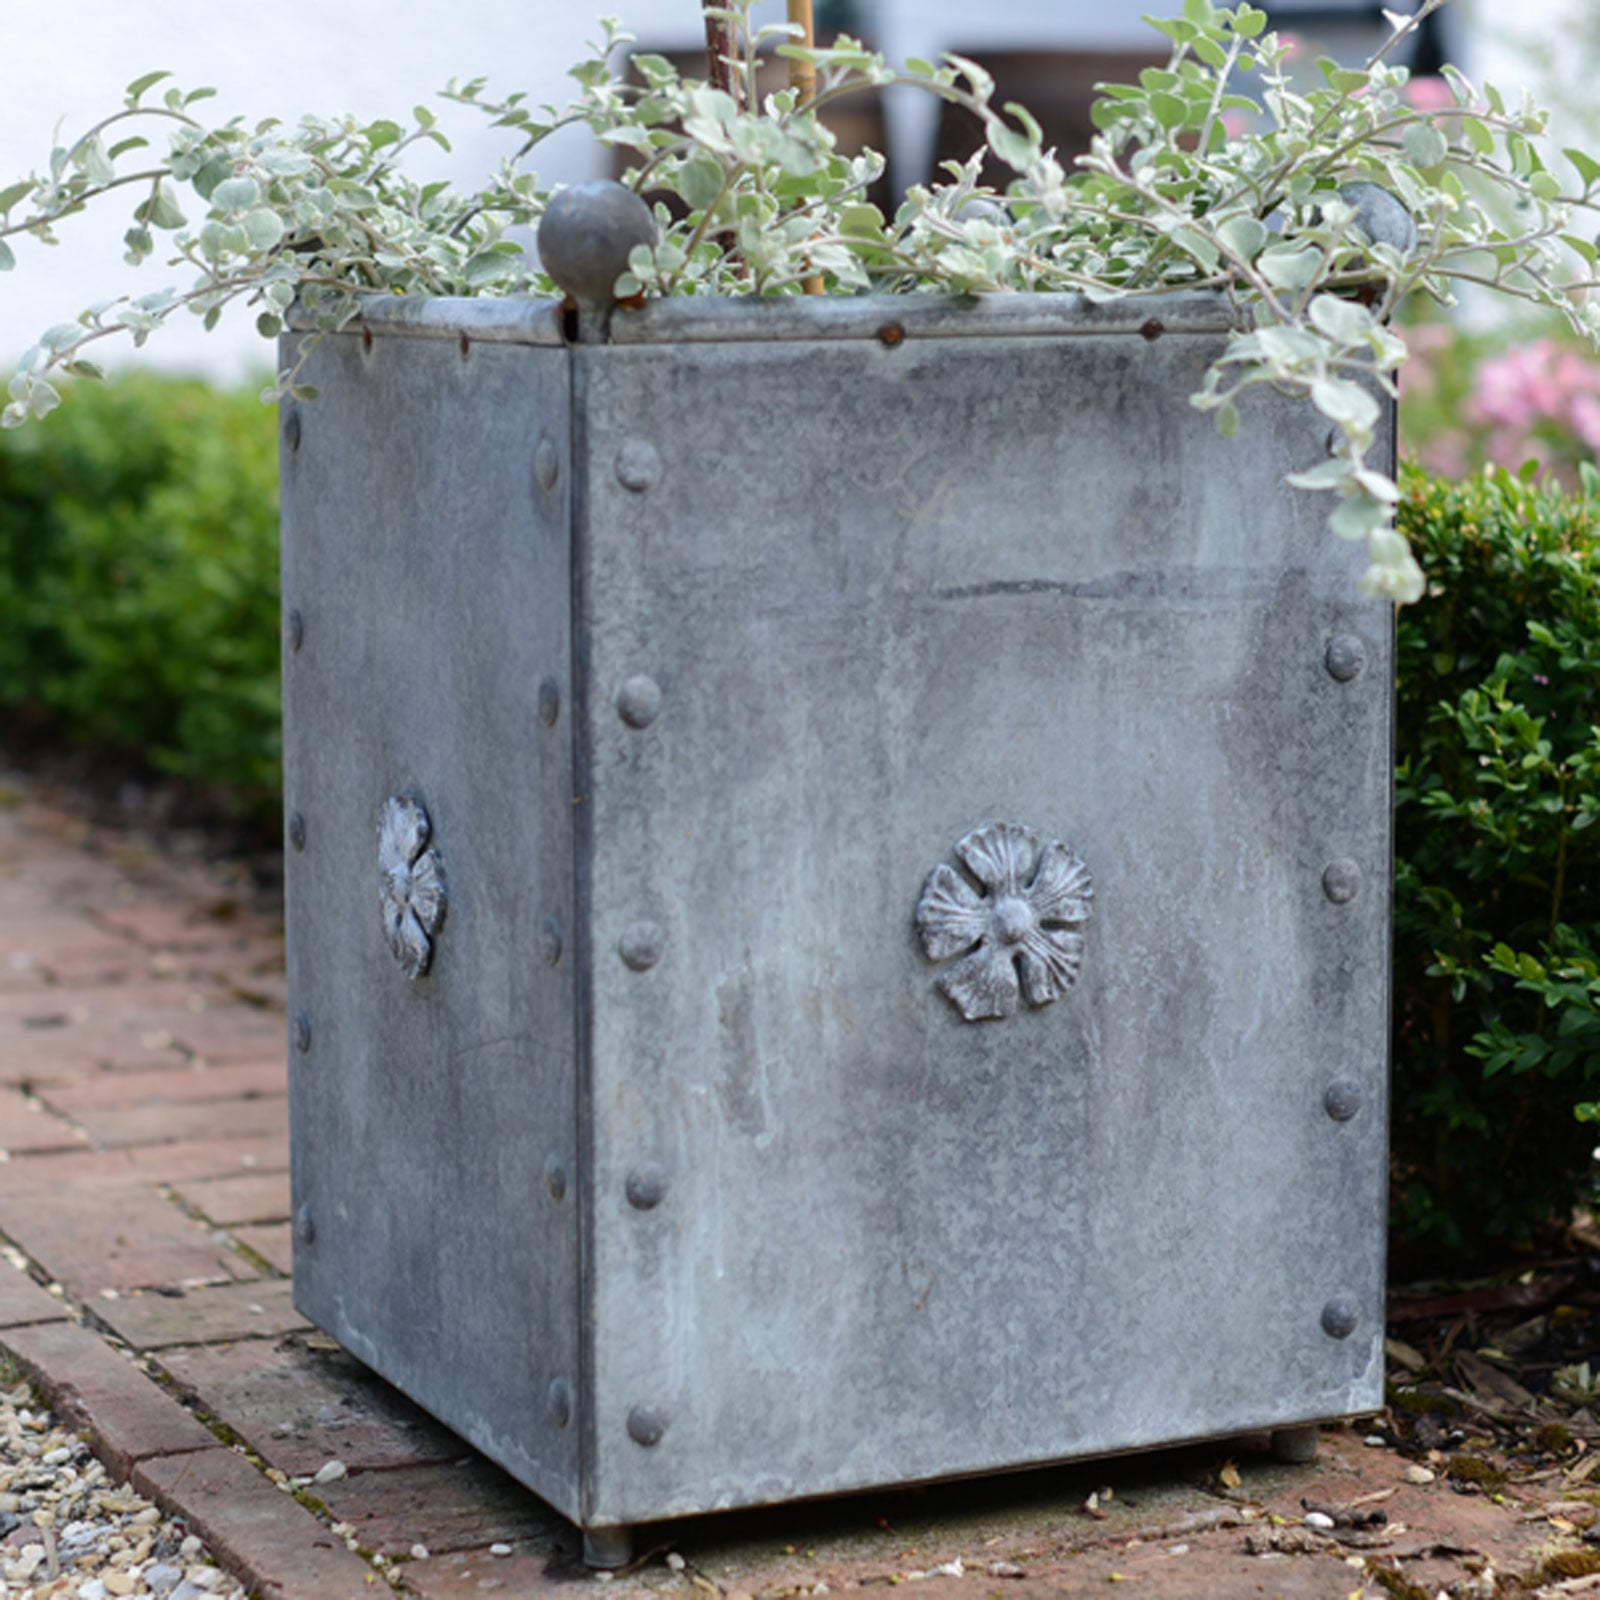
1169, 110
1425, 145
61, 337
1346, 321
1343, 80
1588, 168
1478, 134
1329, 474
1248, 23
700, 183
1290, 266
1244, 236
164, 210
95, 163
140, 84
265, 228
43, 398
1358, 518
7, 259
13, 193
1013, 148
861, 221
236, 194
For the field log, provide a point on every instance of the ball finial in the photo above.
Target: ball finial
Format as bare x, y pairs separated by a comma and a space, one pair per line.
1380, 215
586, 235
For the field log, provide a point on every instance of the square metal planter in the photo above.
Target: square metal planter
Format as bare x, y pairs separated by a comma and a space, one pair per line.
876, 963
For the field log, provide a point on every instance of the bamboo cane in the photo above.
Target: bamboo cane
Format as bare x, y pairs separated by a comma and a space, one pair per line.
803, 80
721, 47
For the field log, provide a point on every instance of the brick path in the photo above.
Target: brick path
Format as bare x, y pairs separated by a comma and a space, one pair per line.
144, 1204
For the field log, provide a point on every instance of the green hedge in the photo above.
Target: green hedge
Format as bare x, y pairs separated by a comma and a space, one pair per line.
139, 581
1497, 911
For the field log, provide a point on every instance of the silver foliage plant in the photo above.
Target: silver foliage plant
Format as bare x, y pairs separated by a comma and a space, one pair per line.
1316, 208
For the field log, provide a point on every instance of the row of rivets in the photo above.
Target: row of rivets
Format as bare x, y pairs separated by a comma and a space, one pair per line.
1345, 658
638, 468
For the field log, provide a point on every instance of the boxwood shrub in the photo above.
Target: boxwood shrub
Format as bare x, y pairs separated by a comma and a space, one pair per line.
1497, 924
139, 582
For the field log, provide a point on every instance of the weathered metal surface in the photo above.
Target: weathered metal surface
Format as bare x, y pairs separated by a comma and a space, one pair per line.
430, 565
834, 604
888, 593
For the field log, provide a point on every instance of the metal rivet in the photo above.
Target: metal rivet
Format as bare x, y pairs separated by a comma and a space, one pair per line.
305, 1226
555, 1176
646, 1425
549, 702
297, 830
639, 701
645, 1187
297, 630
559, 1400
1343, 1100
1341, 882
546, 464
638, 465
550, 941
302, 1032
291, 429
1340, 1319
641, 946
1346, 656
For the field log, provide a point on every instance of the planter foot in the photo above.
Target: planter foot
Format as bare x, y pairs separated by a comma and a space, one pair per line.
608, 1548
1296, 1445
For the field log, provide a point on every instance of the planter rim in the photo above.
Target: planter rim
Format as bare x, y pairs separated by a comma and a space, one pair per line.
725, 319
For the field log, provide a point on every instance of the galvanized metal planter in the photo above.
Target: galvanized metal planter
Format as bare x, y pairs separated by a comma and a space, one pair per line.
838, 894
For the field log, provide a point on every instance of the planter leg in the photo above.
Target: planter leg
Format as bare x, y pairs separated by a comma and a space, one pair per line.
1295, 1445
608, 1548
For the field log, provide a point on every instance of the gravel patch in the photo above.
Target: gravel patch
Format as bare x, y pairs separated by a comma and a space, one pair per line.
66, 1530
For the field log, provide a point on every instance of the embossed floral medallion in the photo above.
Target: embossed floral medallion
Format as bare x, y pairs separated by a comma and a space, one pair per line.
412, 886
1020, 937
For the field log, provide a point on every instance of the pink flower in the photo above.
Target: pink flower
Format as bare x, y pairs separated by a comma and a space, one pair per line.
1429, 94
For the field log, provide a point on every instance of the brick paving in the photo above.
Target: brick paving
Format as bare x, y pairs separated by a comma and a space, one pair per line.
144, 1205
